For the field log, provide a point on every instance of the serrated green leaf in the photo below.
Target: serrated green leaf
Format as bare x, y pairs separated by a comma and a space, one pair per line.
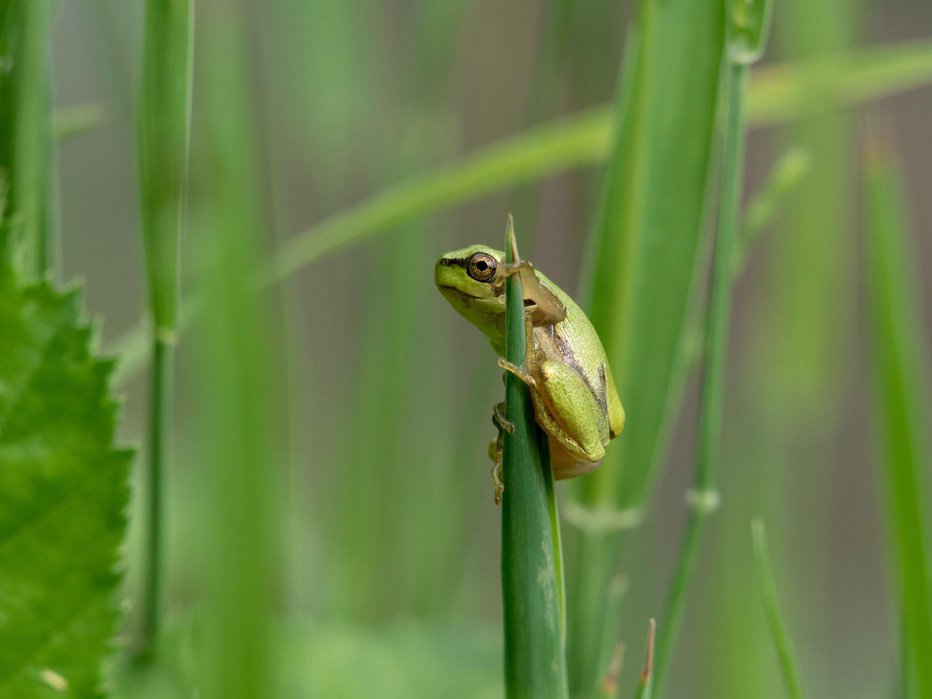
63, 497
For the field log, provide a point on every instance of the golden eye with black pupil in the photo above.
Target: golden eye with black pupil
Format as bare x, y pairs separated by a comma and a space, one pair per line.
481, 267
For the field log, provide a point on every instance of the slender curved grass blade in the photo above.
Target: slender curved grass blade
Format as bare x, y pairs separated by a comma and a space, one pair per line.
901, 406
777, 94
71, 122
768, 586
535, 667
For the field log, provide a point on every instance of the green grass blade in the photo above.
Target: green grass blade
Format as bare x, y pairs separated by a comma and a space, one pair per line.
26, 155
777, 94
71, 122
638, 298
901, 403
163, 136
535, 666
787, 174
236, 383
781, 639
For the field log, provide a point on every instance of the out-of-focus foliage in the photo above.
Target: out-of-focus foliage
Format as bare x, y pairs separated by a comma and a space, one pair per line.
63, 497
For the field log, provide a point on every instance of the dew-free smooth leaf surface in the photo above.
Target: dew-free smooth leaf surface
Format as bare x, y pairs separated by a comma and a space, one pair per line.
63, 496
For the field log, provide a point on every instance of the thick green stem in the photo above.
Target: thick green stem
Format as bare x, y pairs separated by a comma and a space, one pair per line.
535, 664
703, 499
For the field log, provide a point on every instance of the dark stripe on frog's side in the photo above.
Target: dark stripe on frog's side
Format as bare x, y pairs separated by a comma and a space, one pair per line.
569, 358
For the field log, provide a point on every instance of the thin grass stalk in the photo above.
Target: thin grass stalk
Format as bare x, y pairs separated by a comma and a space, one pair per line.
239, 393
163, 137
703, 498
902, 407
26, 159
580, 141
781, 639
535, 665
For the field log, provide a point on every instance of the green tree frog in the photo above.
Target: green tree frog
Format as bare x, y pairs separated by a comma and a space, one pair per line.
571, 384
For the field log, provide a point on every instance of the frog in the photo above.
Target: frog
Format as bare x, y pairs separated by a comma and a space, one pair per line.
566, 370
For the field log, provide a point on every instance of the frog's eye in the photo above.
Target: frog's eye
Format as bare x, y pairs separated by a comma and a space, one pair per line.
481, 267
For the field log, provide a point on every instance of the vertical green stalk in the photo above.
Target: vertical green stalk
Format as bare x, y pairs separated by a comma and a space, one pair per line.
768, 585
238, 385
637, 298
901, 405
163, 137
26, 149
535, 665
746, 24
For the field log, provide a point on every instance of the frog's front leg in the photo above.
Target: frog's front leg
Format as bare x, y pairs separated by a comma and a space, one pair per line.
546, 308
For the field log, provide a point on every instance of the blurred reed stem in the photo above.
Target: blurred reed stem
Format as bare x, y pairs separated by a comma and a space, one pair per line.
768, 586
746, 31
237, 381
26, 149
535, 665
163, 136
901, 404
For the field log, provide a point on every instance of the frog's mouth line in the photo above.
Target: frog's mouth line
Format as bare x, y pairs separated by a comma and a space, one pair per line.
466, 297
451, 290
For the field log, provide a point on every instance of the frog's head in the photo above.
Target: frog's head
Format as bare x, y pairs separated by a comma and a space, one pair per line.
468, 279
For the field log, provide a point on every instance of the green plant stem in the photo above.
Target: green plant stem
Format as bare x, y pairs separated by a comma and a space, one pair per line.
535, 664
703, 499
28, 154
768, 587
163, 137
160, 403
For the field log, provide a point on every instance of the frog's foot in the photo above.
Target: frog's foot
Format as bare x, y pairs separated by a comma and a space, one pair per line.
497, 484
498, 419
518, 371
495, 453
496, 450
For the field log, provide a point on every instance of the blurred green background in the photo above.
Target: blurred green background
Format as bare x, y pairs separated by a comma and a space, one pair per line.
380, 395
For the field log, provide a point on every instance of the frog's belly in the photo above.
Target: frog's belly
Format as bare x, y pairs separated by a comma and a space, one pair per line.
564, 464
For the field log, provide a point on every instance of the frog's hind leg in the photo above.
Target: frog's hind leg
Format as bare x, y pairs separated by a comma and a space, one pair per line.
567, 410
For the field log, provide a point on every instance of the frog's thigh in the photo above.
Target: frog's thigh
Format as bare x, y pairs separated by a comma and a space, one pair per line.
568, 411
